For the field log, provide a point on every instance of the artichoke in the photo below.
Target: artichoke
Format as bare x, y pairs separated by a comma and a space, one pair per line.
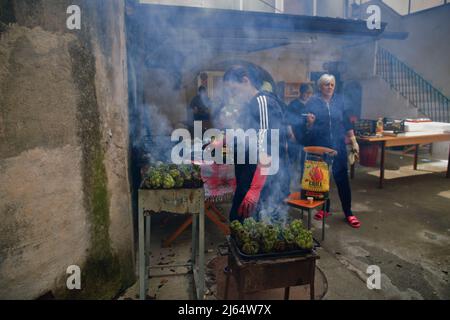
196, 174
249, 224
270, 233
167, 181
179, 182
155, 180
235, 225
288, 236
250, 248
296, 227
259, 229
242, 236
268, 238
268, 245
176, 175
305, 240
280, 246
185, 171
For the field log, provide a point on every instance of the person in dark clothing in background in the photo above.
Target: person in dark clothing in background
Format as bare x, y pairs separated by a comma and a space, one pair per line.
294, 121
327, 126
261, 111
199, 108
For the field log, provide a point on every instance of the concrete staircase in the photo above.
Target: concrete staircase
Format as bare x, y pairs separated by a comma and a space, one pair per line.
428, 100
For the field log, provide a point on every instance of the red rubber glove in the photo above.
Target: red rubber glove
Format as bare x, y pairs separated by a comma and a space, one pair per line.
248, 205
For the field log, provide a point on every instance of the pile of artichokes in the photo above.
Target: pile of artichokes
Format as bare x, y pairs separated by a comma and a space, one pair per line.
258, 237
171, 176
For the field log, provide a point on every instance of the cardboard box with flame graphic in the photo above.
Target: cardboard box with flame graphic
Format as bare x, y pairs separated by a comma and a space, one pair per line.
316, 180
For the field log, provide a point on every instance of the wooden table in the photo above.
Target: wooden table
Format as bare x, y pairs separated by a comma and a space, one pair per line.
412, 138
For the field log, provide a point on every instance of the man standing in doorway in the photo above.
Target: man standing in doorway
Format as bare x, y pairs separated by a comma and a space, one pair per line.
199, 109
295, 118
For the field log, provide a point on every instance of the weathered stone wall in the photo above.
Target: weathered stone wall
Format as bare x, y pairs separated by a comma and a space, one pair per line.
64, 189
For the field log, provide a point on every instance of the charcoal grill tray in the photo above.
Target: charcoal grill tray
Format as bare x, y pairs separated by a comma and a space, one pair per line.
272, 255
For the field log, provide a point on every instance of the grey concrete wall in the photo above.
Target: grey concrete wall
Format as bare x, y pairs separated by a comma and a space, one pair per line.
331, 8
325, 8
379, 101
359, 60
43, 227
427, 48
64, 190
298, 7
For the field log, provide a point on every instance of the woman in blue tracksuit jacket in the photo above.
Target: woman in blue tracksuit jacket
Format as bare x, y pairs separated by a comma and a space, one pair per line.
327, 126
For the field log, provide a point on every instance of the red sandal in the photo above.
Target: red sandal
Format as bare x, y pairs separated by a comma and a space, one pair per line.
319, 215
353, 221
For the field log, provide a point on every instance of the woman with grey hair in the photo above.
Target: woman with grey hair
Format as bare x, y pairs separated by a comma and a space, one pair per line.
327, 126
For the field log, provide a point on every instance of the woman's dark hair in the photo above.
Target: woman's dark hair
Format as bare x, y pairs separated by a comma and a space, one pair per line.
238, 72
305, 87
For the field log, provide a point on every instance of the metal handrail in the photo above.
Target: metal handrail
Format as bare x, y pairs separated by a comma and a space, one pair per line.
412, 86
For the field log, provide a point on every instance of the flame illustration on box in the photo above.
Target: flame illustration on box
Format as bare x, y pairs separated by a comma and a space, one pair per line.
316, 176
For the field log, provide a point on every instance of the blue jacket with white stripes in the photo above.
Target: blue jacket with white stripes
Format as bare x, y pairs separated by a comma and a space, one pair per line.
263, 113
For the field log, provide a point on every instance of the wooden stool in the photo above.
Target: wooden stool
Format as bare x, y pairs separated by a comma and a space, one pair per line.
294, 201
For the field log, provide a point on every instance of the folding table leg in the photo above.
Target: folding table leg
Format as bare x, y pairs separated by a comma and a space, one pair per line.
141, 231
309, 219
383, 148
325, 207
194, 240
416, 156
447, 175
147, 250
201, 253
286, 293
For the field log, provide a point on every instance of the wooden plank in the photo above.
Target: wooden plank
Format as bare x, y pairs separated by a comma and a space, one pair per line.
222, 226
177, 232
407, 140
404, 141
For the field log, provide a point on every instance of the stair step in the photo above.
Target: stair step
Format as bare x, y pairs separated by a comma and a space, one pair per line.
407, 83
427, 102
